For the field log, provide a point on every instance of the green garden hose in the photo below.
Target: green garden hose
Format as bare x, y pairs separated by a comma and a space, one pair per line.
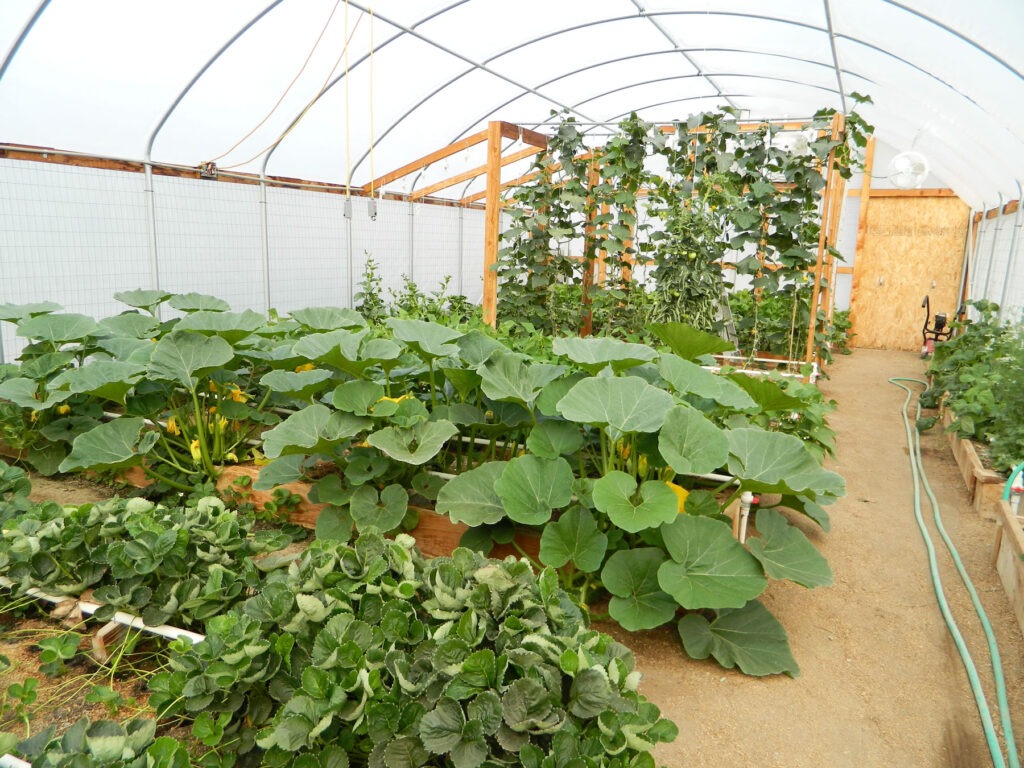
919, 478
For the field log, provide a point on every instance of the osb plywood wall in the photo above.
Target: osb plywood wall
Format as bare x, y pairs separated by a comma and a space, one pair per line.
912, 246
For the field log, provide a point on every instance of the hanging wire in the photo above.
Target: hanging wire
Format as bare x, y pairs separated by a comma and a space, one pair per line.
311, 102
372, 135
278, 103
348, 120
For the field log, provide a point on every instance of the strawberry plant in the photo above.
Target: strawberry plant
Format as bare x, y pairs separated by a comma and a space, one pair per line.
368, 654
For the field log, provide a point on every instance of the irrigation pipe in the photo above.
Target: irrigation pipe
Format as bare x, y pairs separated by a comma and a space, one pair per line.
920, 478
120, 617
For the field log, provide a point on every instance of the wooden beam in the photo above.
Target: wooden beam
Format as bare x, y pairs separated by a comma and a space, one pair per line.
938, 192
472, 173
525, 135
838, 126
469, 199
433, 157
492, 224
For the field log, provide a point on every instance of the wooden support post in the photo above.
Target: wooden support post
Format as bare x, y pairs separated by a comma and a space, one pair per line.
602, 258
590, 257
492, 224
838, 125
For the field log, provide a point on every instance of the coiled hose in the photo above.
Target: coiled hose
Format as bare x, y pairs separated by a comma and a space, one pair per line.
921, 479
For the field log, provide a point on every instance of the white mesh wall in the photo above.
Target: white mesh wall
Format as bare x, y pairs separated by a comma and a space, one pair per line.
309, 249
387, 239
209, 241
472, 274
437, 246
74, 236
997, 267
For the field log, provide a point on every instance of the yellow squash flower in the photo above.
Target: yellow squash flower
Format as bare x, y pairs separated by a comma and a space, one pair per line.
681, 494
213, 386
623, 447
197, 453
304, 367
237, 395
641, 465
222, 423
33, 416
63, 409
172, 426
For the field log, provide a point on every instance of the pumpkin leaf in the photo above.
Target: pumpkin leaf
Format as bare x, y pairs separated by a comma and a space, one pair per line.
748, 637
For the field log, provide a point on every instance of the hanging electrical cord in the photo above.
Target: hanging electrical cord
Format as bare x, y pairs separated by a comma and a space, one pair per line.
921, 479
309, 104
348, 126
372, 135
287, 90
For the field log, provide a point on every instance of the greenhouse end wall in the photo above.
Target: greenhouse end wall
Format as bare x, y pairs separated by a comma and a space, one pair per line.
77, 235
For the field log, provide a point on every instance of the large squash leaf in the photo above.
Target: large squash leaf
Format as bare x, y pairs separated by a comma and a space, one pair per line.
749, 638
594, 353
184, 356
786, 553
616, 495
772, 462
574, 538
626, 404
688, 378
416, 444
709, 568
110, 445
470, 497
638, 602
690, 443
531, 488
509, 378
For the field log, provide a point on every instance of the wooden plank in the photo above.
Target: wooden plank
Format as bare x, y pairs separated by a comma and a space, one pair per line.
1009, 549
838, 125
472, 173
911, 247
525, 135
433, 157
503, 185
492, 224
937, 192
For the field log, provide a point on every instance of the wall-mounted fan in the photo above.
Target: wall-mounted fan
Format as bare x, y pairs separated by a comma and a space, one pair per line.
908, 170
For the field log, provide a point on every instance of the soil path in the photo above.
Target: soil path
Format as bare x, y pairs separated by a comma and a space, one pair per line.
880, 683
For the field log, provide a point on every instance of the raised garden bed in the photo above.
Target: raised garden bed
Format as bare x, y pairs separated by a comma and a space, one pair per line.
985, 486
1007, 554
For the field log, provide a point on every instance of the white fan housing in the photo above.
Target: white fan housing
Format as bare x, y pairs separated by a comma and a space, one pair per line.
908, 170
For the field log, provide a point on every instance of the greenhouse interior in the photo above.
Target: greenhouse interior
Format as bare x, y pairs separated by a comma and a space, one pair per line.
616, 384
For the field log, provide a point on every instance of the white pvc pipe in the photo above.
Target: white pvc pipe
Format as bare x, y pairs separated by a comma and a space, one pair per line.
121, 617
10, 761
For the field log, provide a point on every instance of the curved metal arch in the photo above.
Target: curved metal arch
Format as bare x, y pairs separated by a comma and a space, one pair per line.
202, 71
25, 30
946, 28
474, 67
716, 74
637, 56
532, 41
365, 57
924, 72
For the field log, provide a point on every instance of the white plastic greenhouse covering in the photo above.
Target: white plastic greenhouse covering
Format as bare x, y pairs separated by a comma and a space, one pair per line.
342, 92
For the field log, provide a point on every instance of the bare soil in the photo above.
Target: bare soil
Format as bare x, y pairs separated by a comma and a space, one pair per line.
881, 684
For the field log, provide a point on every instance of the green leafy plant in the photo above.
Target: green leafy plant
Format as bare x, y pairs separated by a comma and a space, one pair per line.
182, 563
105, 744
367, 653
55, 651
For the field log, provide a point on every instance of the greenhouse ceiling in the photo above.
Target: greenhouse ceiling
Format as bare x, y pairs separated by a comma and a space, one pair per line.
345, 91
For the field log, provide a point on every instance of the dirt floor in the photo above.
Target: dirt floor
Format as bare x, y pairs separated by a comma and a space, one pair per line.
881, 684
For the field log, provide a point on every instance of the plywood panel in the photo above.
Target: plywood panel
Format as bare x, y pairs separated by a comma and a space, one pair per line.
912, 246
